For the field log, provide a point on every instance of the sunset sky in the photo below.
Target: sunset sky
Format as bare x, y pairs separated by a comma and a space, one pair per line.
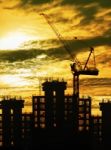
30, 51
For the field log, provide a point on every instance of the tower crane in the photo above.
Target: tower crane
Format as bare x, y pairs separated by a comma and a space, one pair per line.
76, 68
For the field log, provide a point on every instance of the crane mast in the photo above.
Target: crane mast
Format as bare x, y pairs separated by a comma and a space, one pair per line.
76, 68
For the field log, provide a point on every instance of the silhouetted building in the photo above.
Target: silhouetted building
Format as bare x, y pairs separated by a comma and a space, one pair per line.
27, 120
53, 114
48, 110
54, 97
84, 114
105, 107
96, 131
11, 116
69, 112
57, 121
38, 111
83, 122
61, 115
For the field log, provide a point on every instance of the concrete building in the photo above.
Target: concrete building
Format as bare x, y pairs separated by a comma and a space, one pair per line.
11, 116
48, 110
84, 114
105, 108
96, 131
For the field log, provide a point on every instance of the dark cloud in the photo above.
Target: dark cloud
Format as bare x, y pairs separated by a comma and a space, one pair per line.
60, 51
18, 55
100, 41
40, 1
27, 3
89, 14
96, 82
102, 3
34, 2
77, 2
22, 55
72, 47
77, 46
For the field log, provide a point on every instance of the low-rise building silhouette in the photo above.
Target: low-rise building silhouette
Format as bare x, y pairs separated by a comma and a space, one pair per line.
11, 116
105, 107
57, 121
96, 131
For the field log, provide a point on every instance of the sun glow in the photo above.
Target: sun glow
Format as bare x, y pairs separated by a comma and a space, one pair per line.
13, 41
14, 80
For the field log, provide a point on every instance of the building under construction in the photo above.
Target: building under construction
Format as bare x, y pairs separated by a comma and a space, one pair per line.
15, 127
57, 121
58, 112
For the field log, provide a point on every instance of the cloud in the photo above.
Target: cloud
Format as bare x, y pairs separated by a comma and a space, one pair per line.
96, 87
102, 3
34, 2
22, 55
54, 49
96, 82
27, 4
89, 14
18, 55
105, 58
88, 20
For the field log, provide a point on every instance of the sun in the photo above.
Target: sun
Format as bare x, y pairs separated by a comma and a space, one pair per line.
13, 41
14, 81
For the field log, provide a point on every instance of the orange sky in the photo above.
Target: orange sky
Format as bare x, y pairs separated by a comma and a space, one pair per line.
30, 50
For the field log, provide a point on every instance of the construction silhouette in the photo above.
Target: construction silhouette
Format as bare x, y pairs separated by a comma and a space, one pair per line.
57, 121
76, 67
